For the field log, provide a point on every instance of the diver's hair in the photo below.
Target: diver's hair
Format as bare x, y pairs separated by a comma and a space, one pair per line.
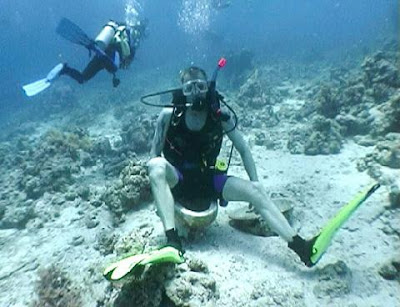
191, 73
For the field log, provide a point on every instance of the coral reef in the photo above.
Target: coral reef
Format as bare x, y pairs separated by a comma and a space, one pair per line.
54, 288
147, 291
391, 270
334, 280
297, 139
5, 154
133, 243
261, 139
322, 138
354, 125
328, 102
251, 93
105, 241
267, 293
325, 138
113, 165
102, 147
188, 284
361, 102
50, 167
386, 117
377, 86
146, 288
2, 210
380, 75
67, 143
192, 285
256, 101
390, 220
132, 188
386, 153
394, 196
137, 134
15, 214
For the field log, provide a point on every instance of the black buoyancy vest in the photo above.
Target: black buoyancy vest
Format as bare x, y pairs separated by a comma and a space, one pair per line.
188, 149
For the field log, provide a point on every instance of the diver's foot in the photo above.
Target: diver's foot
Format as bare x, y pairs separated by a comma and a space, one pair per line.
116, 82
174, 240
65, 69
303, 248
55, 72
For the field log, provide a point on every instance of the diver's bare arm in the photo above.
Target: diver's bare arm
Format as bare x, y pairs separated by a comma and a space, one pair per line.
160, 133
241, 146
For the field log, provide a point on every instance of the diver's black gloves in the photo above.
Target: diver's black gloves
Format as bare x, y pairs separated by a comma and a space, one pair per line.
174, 240
116, 81
303, 248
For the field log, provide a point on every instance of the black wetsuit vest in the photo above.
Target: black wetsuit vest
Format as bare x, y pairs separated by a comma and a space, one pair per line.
189, 150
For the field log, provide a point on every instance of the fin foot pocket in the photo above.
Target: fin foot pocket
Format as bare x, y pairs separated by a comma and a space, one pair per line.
134, 264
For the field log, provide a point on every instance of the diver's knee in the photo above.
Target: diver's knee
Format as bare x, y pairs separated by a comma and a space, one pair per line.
257, 187
157, 168
155, 162
256, 190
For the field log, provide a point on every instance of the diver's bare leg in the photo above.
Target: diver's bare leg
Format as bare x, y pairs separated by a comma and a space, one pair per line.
163, 176
237, 189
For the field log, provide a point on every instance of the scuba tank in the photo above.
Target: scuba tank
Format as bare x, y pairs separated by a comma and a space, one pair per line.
106, 35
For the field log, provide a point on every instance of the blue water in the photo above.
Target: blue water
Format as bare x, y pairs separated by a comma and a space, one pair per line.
271, 29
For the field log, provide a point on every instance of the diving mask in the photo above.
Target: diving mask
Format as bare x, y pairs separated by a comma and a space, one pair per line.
193, 87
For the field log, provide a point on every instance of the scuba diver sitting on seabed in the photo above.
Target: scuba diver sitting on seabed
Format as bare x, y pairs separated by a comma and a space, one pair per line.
114, 48
190, 136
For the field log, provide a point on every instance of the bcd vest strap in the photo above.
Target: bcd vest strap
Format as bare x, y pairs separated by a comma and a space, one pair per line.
121, 38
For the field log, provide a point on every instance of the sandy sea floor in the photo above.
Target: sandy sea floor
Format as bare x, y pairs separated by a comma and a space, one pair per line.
239, 262
248, 270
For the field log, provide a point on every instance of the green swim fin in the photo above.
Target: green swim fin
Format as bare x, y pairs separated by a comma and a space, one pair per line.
122, 268
323, 240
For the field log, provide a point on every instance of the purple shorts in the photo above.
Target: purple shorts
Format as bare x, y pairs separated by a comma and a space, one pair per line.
196, 184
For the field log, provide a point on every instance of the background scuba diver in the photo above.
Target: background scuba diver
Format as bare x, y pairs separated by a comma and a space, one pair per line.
119, 42
190, 137
114, 48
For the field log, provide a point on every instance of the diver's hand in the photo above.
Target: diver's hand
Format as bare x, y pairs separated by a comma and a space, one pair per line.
116, 81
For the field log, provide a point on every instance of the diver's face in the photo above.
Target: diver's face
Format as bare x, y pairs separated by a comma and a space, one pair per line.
195, 91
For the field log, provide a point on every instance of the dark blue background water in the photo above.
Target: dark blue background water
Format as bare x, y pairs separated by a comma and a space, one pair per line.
271, 29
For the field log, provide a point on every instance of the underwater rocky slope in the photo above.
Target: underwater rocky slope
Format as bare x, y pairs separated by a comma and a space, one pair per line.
75, 195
